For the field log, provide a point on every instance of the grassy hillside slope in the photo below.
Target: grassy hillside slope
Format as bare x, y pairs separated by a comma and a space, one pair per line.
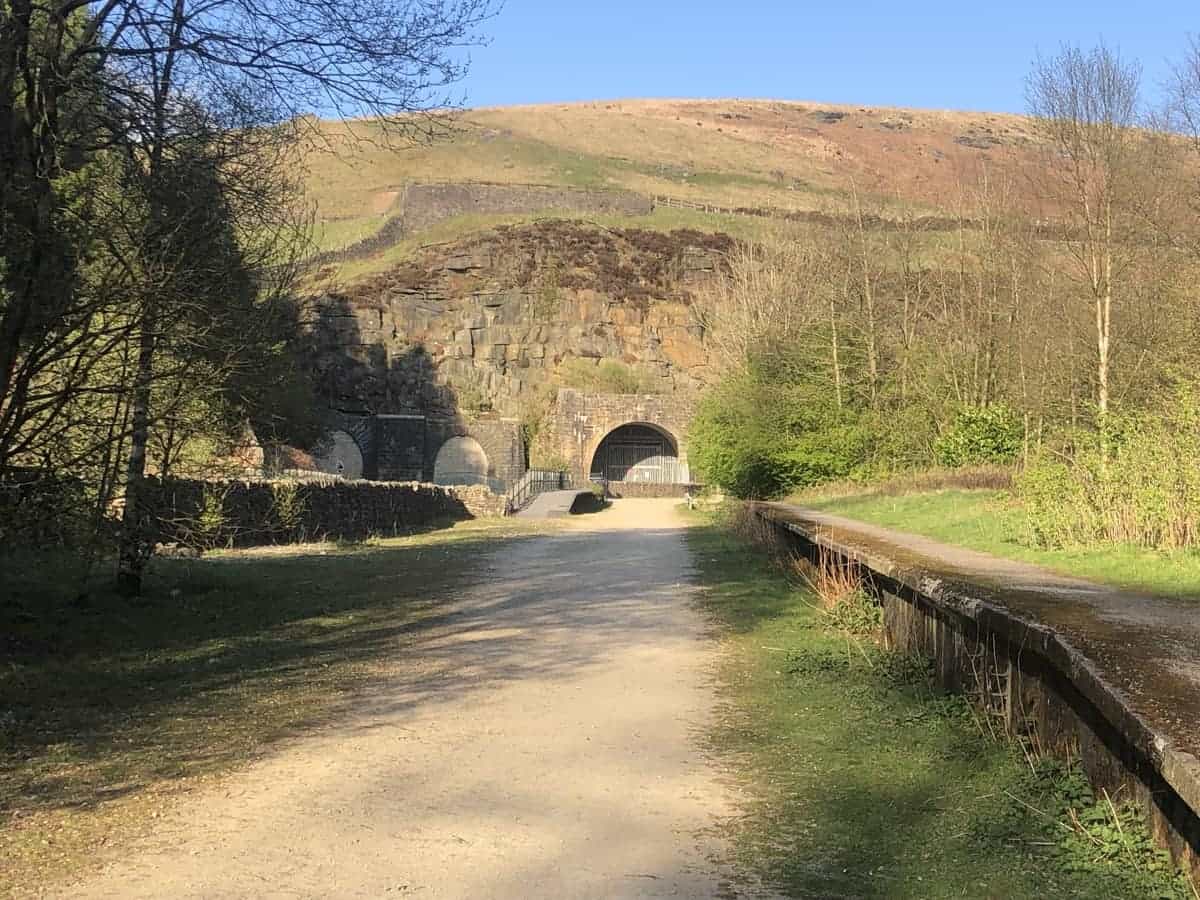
733, 153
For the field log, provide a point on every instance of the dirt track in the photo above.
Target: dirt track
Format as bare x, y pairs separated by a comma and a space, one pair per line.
541, 739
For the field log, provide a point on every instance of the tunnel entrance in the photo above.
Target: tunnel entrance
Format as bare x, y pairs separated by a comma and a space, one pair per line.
638, 453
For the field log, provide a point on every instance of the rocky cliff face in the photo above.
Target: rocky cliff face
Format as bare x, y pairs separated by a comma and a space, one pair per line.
491, 322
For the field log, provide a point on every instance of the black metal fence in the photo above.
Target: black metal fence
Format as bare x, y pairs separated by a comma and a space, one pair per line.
534, 482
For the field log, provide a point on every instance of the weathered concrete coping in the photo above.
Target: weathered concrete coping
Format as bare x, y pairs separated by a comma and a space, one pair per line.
1135, 657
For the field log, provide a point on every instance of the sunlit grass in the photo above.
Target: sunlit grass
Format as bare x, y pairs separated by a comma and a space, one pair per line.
863, 781
994, 522
107, 707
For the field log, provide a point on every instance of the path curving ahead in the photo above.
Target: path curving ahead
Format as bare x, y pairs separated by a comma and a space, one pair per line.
541, 739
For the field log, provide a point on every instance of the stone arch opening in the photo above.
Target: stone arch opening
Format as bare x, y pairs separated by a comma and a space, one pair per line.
461, 460
339, 454
638, 453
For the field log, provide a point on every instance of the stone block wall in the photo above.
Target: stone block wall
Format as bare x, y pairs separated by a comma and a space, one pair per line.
399, 449
405, 447
207, 514
496, 317
501, 440
580, 421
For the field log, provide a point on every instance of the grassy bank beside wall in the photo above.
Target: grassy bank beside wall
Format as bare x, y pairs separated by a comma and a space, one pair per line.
863, 781
993, 522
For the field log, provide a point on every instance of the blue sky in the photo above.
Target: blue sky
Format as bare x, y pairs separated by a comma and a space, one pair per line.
960, 55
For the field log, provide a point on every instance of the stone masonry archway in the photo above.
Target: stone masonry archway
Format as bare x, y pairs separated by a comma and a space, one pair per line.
339, 454
637, 453
461, 460
657, 423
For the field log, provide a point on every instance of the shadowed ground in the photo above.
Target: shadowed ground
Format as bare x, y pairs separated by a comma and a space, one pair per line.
537, 738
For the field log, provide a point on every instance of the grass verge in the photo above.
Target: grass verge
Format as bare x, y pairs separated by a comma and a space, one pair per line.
862, 781
110, 708
993, 522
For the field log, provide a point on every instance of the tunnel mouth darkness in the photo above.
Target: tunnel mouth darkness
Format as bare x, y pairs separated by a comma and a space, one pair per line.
637, 453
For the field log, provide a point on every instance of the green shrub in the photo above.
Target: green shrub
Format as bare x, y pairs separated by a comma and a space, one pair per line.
755, 436
206, 529
980, 435
1059, 510
1139, 485
287, 507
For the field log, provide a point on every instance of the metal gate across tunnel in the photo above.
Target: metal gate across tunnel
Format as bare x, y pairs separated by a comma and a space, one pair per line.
639, 454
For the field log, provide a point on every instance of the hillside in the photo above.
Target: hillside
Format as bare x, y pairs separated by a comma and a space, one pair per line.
730, 153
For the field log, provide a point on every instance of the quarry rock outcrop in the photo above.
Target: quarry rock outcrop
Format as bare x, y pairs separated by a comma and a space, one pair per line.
486, 325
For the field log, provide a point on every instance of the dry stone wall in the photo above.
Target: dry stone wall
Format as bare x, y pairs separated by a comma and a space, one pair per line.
423, 205
208, 514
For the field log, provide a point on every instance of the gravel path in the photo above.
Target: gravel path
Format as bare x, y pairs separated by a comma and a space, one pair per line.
539, 740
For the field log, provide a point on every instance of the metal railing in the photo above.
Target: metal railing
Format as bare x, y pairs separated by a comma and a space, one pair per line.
532, 483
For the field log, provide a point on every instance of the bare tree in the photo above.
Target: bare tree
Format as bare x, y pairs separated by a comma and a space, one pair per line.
1086, 105
772, 293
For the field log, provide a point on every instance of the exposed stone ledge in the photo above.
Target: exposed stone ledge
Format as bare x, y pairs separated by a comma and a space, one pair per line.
1110, 676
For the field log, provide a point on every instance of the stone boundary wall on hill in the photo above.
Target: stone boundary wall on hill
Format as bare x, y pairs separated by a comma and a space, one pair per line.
1027, 675
211, 514
422, 206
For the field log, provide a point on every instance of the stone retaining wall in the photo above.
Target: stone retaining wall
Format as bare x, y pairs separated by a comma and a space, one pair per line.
210, 514
581, 420
1026, 674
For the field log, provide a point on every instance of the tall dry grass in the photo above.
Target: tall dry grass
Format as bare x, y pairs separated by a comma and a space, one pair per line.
967, 478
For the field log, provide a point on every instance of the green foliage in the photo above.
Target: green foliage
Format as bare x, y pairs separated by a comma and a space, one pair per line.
764, 432
1138, 483
1102, 837
470, 394
206, 528
549, 461
43, 513
608, 376
287, 506
857, 614
981, 435
547, 300
534, 413
865, 780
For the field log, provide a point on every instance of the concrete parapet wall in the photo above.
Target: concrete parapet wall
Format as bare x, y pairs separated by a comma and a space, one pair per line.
1010, 649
